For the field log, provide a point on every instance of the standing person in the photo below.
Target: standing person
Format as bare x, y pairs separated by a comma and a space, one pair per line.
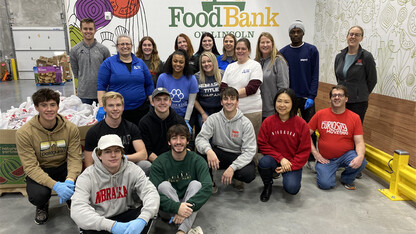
209, 79
275, 72
86, 58
246, 76
50, 151
284, 141
114, 123
181, 84
355, 68
182, 179
147, 51
183, 42
154, 126
114, 195
341, 142
227, 141
128, 75
207, 43
228, 50
303, 60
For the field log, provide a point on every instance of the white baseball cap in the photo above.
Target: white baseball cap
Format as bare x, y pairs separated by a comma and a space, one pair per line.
109, 140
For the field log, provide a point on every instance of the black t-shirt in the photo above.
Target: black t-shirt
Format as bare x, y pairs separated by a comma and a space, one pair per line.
127, 131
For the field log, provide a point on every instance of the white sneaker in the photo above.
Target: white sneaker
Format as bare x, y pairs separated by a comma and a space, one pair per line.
196, 230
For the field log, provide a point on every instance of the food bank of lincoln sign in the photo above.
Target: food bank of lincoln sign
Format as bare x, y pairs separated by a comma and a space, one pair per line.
218, 14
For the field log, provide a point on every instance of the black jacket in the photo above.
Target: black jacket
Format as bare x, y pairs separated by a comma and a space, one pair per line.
153, 130
361, 75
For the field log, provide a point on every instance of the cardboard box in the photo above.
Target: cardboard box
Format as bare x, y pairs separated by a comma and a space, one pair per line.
48, 75
61, 60
11, 169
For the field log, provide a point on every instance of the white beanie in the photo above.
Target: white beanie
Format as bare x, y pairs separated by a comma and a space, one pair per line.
297, 24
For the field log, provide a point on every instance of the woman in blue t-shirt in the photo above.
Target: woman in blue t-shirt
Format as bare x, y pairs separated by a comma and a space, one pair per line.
180, 82
209, 79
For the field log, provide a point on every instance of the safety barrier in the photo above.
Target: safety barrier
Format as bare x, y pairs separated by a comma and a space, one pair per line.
395, 170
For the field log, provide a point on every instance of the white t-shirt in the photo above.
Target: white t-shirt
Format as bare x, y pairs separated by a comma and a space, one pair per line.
237, 76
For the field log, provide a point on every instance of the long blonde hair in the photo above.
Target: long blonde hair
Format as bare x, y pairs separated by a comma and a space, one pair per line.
216, 70
274, 52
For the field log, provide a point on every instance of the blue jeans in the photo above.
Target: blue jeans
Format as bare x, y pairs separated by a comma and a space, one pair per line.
291, 179
326, 173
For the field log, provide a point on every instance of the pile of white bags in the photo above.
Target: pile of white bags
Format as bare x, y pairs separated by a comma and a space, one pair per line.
70, 107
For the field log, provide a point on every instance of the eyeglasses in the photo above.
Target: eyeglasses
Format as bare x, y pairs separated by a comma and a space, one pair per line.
338, 95
355, 34
124, 44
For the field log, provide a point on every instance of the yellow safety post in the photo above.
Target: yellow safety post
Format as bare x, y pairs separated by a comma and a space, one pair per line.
14, 70
400, 161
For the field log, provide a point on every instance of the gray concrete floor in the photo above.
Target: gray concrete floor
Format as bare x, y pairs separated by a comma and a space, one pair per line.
312, 210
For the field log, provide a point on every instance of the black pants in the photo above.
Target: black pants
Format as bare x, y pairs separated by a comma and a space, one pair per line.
360, 108
135, 115
127, 216
38, 194
245, 174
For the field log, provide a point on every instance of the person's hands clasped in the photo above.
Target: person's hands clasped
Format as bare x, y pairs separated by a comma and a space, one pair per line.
64, 191
185, 209
285, 166
227, 176
178, 219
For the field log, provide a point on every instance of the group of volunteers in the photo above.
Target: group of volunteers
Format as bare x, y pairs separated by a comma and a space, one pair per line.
164, 127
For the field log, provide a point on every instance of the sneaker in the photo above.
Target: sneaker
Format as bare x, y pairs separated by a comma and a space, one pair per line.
276, 175
196, 230
348, 186
239, 185
42, 214
214, 188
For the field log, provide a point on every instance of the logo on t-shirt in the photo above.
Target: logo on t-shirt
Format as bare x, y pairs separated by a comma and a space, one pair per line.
110, 194
52, 148
137, 67
333, 127
234, 133
359, 62
176, 95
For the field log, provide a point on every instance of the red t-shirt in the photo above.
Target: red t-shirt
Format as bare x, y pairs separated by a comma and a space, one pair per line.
336, 131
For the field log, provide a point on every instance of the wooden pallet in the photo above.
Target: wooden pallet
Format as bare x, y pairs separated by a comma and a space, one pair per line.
13, 188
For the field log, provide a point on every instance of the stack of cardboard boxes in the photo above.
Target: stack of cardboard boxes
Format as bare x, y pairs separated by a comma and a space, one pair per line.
53, 70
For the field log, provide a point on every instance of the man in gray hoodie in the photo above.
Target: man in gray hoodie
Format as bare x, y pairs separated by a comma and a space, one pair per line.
109, 193
233, 142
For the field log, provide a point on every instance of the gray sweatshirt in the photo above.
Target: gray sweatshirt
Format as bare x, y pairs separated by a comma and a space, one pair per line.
100, 195
85, 62
235, 136
274, 78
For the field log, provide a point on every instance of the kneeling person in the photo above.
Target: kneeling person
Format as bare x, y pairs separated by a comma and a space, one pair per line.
108, 193
233, 142
182, 179
341, 142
